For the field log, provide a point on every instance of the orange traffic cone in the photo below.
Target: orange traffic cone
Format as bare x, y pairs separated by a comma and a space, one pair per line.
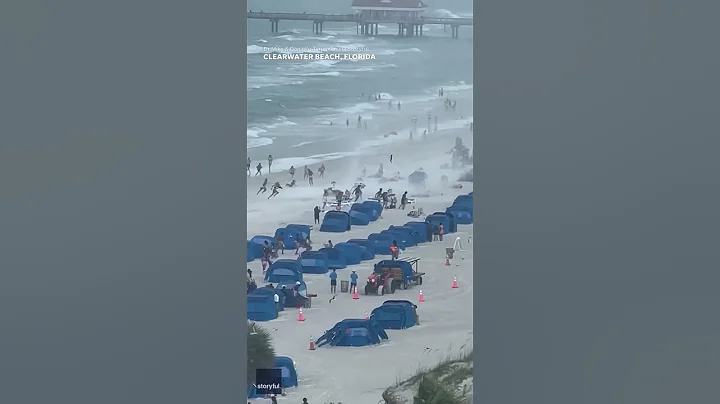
312, 344
367, 316
421, 298
301, 317
355, 294
454, 284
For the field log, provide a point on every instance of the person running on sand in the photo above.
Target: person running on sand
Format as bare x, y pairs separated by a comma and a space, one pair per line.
263, 188
270, 160
321, 170
292, 172
259, 169
391, 158
249, 163
316, 214
305, 173
310, 176
275, 188
281, 242
403, 200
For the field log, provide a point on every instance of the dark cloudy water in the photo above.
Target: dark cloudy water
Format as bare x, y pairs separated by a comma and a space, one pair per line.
290, 103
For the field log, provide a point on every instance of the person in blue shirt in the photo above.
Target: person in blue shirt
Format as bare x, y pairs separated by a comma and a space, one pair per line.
353, 281
333, 281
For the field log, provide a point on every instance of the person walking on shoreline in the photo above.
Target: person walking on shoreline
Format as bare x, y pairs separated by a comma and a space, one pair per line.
292, 172
305, 173
259, 169
270, 160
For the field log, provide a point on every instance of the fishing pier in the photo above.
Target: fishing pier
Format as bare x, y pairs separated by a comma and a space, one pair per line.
407, 26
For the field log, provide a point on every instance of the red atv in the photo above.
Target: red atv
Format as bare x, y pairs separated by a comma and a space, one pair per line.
380, 283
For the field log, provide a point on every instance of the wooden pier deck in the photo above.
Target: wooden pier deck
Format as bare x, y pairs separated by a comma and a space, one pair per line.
406, 27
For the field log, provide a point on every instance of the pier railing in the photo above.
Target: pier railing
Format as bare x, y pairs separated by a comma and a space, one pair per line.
356, 18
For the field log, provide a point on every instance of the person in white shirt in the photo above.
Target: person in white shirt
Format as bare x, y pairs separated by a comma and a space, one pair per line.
277, 302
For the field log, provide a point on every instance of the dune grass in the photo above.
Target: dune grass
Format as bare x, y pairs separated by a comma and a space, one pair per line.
436, 385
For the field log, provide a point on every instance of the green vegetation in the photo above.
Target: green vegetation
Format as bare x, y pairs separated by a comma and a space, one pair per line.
261, 354
442, 384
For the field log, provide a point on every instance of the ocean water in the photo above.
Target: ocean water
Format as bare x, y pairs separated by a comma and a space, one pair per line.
292, 103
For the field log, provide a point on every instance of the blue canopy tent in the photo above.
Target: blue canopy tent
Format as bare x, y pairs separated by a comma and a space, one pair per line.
462, 215
415, 235
336, 221
396, 315
303, 229
314, 262
335, 258
421, 228
287, 290
358, 218
387, 236
464, 204
288, 237
261, 306
376, 208
381, 243
284, 271
367, 209
417, 179
401, 236
250, 251
367, 248
288, 371
352, 252
453, 222
464, 199
353, 332
265, 290
436, 220
258, 243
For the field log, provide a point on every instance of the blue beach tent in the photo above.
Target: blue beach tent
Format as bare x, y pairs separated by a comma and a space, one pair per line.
462, 215
381, 243
265, 290
335, 258
436, 220
402, 237
353, 332
303, 229
368, 210
250, 251
421, 228
416, 236
288, 371
288, 237
284, 271
358, 218
261, 306
376, 208
258, 243
453, 222
314, 262
387, 236
336, 221
352, 252
367, 248
396, 315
